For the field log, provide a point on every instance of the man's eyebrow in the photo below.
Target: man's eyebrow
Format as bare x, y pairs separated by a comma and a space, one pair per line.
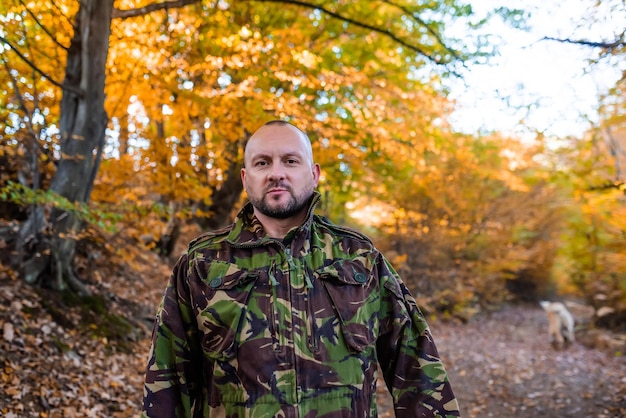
259, 155
290, 153
293, 154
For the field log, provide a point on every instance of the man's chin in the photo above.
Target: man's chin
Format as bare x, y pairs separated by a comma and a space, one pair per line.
276, 204
283, 211
282, 208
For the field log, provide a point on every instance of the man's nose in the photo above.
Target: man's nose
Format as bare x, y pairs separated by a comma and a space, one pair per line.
277, 172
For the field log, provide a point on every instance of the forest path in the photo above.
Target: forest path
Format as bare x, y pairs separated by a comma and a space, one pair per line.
502, 365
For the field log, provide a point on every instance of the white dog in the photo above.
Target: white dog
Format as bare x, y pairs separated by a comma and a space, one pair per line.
560, 323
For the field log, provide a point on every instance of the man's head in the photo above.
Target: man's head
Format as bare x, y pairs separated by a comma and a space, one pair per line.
279, 174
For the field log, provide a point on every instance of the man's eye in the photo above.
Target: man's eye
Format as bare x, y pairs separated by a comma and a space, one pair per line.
292, 161
260, 163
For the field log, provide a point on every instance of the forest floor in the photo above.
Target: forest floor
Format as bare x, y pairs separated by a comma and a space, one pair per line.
502, 365
57, 362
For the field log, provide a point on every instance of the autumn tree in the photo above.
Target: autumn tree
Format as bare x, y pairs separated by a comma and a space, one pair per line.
81, 126
468, 221
333, 76
589, 171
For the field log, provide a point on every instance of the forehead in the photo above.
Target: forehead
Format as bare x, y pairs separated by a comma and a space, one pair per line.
278, 138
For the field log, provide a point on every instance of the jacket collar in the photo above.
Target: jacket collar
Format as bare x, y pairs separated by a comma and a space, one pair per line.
247, 230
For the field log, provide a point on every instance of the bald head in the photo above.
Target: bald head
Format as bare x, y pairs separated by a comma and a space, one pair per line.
277, 129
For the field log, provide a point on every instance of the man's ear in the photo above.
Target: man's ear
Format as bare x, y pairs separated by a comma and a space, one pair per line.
316, 173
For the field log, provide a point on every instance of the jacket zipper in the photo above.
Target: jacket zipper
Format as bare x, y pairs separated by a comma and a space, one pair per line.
274, 314
310, 319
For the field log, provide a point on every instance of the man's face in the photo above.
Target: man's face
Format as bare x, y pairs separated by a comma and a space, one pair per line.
279, 174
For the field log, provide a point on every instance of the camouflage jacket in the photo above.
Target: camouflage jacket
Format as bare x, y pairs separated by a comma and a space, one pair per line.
250, 326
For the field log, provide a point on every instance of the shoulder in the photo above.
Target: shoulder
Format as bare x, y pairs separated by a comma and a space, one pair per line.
209, 239
342, 232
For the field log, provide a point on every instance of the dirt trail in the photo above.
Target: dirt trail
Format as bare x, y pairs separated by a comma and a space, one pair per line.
502, 365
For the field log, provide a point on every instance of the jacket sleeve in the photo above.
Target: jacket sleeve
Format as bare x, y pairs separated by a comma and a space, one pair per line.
411, 366
173, 379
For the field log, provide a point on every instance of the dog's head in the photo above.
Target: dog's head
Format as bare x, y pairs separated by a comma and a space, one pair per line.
545, 305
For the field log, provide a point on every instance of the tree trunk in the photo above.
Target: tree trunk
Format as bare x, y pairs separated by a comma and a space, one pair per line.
46, 242
224, 198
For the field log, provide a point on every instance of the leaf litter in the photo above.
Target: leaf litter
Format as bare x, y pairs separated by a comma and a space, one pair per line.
501, 363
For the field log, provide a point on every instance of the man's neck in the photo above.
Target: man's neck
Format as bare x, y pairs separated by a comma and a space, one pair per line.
278, 228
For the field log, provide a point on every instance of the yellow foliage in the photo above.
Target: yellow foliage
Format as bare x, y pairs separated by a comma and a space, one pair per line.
186, 87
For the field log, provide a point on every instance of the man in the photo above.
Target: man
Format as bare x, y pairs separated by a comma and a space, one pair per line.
284, 314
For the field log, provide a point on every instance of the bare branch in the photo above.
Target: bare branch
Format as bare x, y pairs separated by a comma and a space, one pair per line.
607, 185
50, 35
356, 23
124, 14
605, 45
425, 25
37, 69
152, 7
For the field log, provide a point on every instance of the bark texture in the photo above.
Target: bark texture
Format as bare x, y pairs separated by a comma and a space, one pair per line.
47, 240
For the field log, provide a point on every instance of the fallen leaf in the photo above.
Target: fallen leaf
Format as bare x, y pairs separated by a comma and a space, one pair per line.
8, 333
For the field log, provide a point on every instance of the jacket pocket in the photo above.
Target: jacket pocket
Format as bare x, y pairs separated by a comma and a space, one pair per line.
221, 305
352, 291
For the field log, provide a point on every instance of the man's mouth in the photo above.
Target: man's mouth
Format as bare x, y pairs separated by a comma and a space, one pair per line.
277, 189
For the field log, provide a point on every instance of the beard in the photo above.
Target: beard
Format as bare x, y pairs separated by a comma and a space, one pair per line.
295, 205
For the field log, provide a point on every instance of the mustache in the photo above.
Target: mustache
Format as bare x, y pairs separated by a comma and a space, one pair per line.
278, 185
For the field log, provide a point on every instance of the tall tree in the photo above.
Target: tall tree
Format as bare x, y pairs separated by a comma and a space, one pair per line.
47, 240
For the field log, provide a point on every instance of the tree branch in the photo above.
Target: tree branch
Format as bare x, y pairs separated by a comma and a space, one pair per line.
424, 24
606, 45
32, 65
607, 185
171, 4
152, 7
50, 35
356, 23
